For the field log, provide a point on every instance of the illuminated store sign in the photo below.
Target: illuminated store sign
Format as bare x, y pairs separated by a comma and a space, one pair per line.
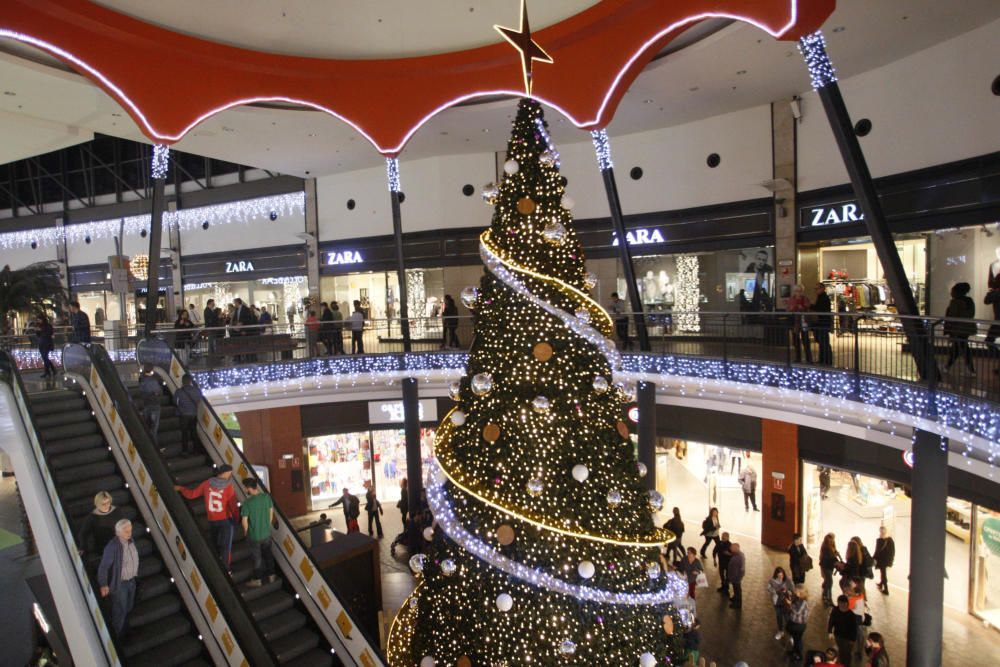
391, 412
239, 267
828, 215
641, 236
345, 257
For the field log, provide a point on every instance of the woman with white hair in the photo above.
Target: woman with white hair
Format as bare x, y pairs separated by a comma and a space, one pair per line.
99, 526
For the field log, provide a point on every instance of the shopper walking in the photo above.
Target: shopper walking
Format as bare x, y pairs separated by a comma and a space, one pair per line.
404, 499
797, 304
116, 576
858, 564
312, 333
357, 321
619, 312
722, 554
691, 568
187, 399
875, 647
220, 508
98, 527
829, 562
80, 323
798, 617
449, 318
676, 526
374, 509
337, 328
736, 570
710, 529
748, 482
842, 627
885, 554
821, 323
326, 327
257, 514
150, 393
780, 590
960, 306
799, 561
352, 510
46, 344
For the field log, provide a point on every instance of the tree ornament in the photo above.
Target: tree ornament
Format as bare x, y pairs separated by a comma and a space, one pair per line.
414, 603
463, 661
622, 429
647, 660
583, 315
642, 469
535, 487
482, 383
417, 563
491, 433
590, 280
428, 661
455, 391
542, 351
652, 570
567, 648
586, 569
429, 533
469, 297
567, 202
448, 567
505, 602
626, 392
457, 417
655, 500
614, 498
526, 206
580, 472
554, 233
547, 158
511, 167
490, 193
601, 384
541, 404
505, 535
668, 624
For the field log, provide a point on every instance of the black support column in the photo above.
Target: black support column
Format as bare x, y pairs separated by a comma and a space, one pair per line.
414, 463
824, 81
161, 161
392, 170
603, 149
927, 549
647, 431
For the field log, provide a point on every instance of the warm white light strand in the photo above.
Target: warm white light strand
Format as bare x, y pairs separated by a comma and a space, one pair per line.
392, 172
602, 148
813, 49
161, 161
687, 295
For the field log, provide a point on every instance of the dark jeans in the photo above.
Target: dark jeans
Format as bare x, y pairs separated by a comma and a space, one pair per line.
122, 601
222, 535
737, 593
151, 415
708, 540
960, 347
884, 583
450, 335
338, 341
45, 351
621, 328
800, 338
675, 547
796, 630
357, 342
189, 433
827, 584
724, 577
825, 351
263, 559
750, 499
378, 523
845, 647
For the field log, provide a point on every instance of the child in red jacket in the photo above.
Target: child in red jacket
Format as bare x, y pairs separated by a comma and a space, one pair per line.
220, 505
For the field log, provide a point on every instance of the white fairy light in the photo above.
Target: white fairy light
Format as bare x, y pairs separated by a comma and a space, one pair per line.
542, 130
602, 147
392, 172
161, 161
813, 49
688, 294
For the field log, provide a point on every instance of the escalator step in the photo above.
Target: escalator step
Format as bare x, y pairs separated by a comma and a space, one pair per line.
62, 418
54, 396
153, 609
77, 458
178, 464
249, 594
54, 433
149, 566
270, 605
153, 637
282, 624
153, 586
193, 476
293, 645
90, 487
69, 404
317, 657
81, 473
66, 445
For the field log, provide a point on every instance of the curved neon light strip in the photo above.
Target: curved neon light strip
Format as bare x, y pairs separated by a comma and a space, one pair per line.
395, 150
504, 270
440, 440
447, 520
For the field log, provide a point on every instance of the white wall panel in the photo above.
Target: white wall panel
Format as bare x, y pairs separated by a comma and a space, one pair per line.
929, 108
255, 233
98, 250
18, 258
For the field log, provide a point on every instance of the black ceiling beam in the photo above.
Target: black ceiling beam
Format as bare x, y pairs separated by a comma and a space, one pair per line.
15, 201
60, 182
111, 171
177, 163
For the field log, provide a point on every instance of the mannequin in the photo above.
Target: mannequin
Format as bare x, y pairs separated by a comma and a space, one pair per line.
649, 289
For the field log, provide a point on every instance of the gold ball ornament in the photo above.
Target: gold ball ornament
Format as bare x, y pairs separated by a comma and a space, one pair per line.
668, 624
505, 535
526, 205
491, 433
622, 429
543, 351
465, 662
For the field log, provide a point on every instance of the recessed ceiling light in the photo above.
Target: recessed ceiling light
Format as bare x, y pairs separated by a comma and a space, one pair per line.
226, 128
116, 115
741, 72
839, 28
693, 88
10, 93
647, 101
312, 134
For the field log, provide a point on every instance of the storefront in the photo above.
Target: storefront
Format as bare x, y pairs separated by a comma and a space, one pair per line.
91, 286
273, 279
375, 455
985, 598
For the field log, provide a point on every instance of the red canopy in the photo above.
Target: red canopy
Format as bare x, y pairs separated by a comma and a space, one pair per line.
169, 82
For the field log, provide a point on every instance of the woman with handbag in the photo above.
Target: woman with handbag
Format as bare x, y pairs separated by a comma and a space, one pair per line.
692, 568
799, 562
829, 562
780, 590
710, 529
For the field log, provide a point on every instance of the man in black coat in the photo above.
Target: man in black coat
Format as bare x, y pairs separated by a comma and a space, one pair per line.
351, 510
723, 552
885, 554
374, 508
821, 324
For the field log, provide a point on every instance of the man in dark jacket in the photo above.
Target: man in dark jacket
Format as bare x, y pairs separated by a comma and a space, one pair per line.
351, 510
187, 399
821, 324
116, 575
723, 552
843, 627
735, 571
80, 323
326, 328
374, 508
885, 554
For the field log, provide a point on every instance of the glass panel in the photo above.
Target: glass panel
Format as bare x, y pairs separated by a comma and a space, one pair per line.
986, 566
390, 460
336, 462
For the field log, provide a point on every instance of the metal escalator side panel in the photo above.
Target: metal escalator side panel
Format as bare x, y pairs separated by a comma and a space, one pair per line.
326, 609
87, 634
193, 583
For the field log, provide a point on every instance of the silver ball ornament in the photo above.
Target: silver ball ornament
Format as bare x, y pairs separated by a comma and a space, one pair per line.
655, 500
567, 648
448, 567
481, 384
511, 167
586, 569
642, 469
614, 498
457, 417
547, 158
590, 280
554, 233
541, 404
653, 570
417, 563
580, 472
469, 296
601, 384
535, 487
505, 602
567, 202
455, 391
583, 315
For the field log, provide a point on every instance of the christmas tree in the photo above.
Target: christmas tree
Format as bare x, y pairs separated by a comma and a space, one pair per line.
544, 550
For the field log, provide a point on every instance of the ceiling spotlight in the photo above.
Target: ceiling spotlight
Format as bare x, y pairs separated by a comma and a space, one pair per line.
839, 28
647, 101
741, 72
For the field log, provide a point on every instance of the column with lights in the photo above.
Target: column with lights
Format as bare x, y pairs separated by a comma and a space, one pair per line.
602, 148
392, 173
543, 548
824, 82
159, 169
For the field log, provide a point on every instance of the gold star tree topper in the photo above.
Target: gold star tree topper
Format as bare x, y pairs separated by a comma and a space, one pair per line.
529, 49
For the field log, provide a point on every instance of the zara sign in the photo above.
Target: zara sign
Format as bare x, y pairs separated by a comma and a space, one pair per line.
239, 267
344, 257
828, 215
641, 236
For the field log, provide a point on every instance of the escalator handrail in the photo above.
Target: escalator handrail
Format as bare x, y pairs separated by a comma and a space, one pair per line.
338, 621
27, 418
248, 636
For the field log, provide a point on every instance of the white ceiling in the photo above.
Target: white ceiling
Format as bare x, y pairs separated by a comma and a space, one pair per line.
699, 81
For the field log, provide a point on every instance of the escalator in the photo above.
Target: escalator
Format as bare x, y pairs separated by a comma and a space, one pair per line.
81, 464
283, 620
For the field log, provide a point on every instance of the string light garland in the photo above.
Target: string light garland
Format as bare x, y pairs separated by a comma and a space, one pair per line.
161, 161
602, 148
392, 173
244, 212
821, 70
687, 295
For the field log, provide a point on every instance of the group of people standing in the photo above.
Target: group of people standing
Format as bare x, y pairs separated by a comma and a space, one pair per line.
819, 321
328, 329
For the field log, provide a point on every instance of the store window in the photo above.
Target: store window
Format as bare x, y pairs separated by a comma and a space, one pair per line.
986, 566
349, 460
281, 296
